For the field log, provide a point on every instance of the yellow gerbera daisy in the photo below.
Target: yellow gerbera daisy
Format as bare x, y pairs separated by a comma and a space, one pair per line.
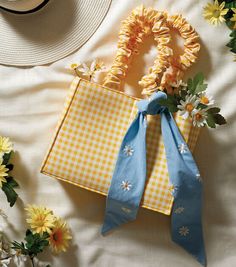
40, 219
234, 17
3, 173
5, 145
214, 12
60, 236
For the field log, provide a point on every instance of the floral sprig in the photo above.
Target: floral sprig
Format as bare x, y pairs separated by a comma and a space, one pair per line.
7, 182
223, 11
82, 69
45, 230
193, 102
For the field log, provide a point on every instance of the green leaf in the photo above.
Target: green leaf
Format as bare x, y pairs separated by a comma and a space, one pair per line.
35, 243
213, 110
183, 94
10, 167
173, 109
190, 85
196, 85
189, 82
45, 235
230, 4
198, 78
201, 106
11, 182
10, 193
230, 24
232, 42
219, 119
163, 102
229, 15
19, 246
169, 103
200, 88
210, 121
6, 158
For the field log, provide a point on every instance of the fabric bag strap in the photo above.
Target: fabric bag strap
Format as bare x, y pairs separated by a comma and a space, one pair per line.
141, 23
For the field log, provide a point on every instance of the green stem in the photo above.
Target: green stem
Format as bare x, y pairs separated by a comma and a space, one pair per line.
32, 261
76, 72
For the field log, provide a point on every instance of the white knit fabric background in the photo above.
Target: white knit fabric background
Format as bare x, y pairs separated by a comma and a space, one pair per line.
31, 100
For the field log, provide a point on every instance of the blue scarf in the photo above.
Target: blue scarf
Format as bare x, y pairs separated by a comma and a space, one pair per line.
128, 181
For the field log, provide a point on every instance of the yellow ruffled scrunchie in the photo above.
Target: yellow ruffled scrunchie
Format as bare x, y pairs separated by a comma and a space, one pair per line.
167, 69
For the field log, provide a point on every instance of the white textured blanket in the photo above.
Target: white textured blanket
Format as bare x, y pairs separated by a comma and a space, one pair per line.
31, 100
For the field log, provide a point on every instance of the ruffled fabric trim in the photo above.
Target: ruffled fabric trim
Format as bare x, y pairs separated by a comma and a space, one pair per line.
167, 69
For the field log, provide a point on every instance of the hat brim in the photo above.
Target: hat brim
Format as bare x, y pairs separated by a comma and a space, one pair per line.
53, 32
21, 6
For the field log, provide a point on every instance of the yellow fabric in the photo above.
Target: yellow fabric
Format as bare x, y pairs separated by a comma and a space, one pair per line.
88, 138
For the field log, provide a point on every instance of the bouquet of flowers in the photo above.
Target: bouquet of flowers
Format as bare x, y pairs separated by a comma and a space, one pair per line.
223, 11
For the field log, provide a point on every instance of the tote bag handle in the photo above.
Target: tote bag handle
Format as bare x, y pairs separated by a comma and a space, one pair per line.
141, 23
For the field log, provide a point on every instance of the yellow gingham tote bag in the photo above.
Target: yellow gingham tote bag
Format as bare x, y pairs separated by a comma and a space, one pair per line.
95, 118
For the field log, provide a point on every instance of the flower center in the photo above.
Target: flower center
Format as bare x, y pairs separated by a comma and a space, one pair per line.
40, 220
204, 100
198, 117
189, 107
74, 66
216, 13
57, 236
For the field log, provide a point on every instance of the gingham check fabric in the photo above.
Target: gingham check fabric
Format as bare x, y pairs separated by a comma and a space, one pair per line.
88, 137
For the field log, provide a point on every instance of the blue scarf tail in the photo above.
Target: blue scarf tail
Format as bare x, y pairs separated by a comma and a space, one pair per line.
129, 177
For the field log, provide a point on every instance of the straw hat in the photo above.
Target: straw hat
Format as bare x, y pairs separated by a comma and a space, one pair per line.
37, 32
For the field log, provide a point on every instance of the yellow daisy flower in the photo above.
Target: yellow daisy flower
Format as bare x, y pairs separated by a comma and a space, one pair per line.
40, 219
3, 173
5, 145
60, 236
234, 17
214, 12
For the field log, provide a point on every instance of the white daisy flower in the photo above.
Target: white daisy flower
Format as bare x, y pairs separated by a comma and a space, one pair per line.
73, 66
199, 117
126, 186
173, 189
178, 84
182, 148
179, 210
206, 99
126, 210
85, 70
128, 150
183, 231
96, 66
186, 107
198, 177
